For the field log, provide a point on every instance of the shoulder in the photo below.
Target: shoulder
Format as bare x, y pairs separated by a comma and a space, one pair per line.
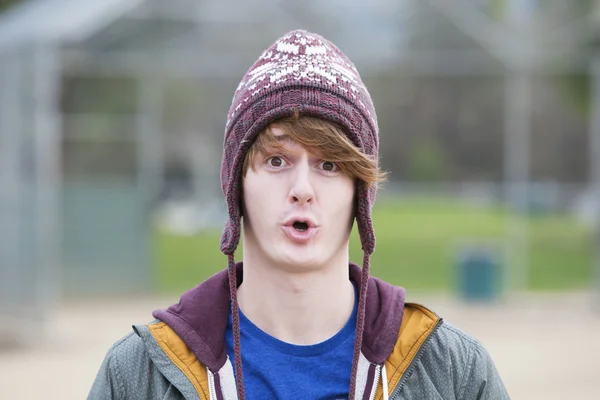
438, 339
127, 357
447, 359
129, 372
126, 350
121, 363
463, 360
441, 335
454, 340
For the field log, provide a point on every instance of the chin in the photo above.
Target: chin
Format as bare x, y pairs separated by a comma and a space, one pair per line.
301, 260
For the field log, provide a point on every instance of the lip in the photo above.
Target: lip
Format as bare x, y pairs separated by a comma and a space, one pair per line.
290, 221
297, 236
300, 237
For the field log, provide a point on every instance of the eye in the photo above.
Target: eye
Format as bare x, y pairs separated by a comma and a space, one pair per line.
275, 161
329, 166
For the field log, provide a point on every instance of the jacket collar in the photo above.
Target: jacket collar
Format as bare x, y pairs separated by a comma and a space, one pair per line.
200, 317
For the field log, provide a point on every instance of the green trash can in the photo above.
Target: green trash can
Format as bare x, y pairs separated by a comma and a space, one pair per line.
479, 274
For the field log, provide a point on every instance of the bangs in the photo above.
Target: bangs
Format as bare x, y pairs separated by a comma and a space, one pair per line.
322, 138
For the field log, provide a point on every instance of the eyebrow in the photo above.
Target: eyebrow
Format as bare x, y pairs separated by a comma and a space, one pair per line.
281, 140
285, 138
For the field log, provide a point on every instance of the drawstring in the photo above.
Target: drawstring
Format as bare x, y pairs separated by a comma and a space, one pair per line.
384, 382
235, 319
360, 324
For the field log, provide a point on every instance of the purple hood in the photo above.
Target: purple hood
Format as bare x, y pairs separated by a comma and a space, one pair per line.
200, 318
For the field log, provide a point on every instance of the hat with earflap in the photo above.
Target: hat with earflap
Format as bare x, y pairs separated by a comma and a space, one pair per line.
301, 73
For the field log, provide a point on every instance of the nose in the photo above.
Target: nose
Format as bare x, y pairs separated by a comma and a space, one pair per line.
301, 190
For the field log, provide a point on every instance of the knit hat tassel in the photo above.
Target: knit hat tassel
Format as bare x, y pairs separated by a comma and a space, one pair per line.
235, 317
360, 323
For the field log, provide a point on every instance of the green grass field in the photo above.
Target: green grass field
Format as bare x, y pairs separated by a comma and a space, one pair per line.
417, 244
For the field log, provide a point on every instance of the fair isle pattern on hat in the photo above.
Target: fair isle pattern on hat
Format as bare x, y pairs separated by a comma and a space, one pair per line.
301, 72
302, 57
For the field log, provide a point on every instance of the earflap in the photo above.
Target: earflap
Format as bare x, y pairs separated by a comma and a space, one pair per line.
363, 219
231, 235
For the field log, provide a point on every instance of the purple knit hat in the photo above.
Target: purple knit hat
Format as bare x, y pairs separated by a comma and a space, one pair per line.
301, 72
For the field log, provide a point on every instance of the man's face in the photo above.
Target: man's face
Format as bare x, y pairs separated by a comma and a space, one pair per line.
298, 208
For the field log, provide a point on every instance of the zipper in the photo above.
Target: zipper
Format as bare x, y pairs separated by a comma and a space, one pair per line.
396, 393
212, 393
375, 382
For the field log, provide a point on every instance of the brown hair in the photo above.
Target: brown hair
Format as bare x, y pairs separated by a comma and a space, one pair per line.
320, 137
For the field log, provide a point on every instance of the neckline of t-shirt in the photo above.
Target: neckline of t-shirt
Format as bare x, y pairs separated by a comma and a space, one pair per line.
303, 350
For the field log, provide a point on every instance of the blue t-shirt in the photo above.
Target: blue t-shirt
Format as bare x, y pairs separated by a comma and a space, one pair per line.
274, 369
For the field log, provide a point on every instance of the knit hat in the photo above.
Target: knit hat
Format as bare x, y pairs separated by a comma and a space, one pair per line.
301, 73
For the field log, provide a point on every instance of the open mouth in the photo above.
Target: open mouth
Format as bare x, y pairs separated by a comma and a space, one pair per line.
300, 230
300, 226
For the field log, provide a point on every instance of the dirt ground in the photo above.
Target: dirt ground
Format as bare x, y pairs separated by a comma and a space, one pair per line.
545, 346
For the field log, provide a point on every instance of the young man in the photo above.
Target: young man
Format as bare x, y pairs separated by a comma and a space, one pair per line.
296, 319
